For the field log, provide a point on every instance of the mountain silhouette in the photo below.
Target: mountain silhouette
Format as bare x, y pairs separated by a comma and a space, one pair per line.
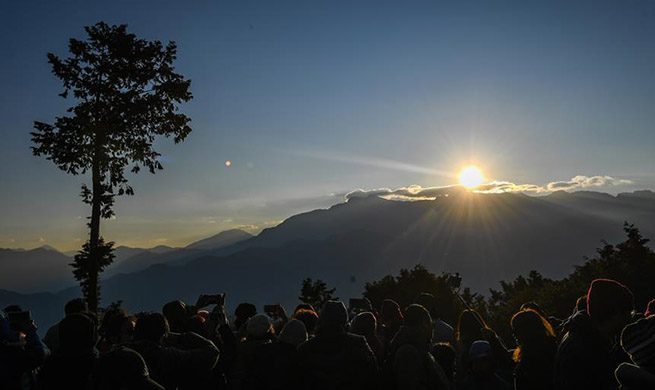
485, 237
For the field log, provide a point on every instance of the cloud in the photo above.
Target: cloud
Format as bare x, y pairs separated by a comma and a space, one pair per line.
416, 192
41, 240
586, 182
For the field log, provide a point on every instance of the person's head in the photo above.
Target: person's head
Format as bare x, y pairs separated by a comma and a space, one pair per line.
610, 305
480, 359
77, 334
123, 369
428, 301
293, 333
76, 305
580, 304
638, 340
650, 308
151, 327
417, 317
390, 312
446, 356
532, 332
259, 327
117, 326
364, 324
176, 315
533, 306
243, 312
307, 317
333, 318
469, 325
196, 324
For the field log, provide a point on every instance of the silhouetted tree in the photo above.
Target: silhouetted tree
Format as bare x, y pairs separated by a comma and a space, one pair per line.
406, 287
127, 93
316, 293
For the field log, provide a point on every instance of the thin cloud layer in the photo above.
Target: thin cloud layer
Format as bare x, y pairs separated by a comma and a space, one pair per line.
416, 192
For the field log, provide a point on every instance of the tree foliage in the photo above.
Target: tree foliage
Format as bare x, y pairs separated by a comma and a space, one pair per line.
630, 262
316, 293
126, 93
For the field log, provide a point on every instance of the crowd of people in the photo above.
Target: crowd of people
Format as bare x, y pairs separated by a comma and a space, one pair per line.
605, 344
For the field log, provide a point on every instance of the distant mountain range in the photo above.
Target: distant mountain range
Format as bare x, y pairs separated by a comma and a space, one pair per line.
484, 237
47, 269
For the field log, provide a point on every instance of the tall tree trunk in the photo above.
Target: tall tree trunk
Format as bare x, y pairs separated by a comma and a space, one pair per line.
94, 239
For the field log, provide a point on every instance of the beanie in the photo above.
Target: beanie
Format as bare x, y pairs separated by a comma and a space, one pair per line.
293, 333
258, 325
605, 296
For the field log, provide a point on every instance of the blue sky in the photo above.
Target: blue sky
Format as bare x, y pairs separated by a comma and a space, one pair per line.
311, 100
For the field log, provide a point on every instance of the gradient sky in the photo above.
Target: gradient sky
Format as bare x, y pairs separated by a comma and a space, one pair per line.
311, 100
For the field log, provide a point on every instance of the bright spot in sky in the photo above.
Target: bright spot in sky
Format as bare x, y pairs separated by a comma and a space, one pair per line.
228, 163
470, 177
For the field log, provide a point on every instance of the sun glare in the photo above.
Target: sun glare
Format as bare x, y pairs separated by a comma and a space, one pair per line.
470, 177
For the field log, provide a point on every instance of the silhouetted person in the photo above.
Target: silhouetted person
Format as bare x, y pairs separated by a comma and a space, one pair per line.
365, 324
259, 331
334, 358
71, 365
443, 332
638, 340
76, 305
117, 328
21, 349
177, 316
123, 369
471, 327
307, 317
243, 312
391, 319
413, 366
275, 365
445, 355
535, 353
587, 356
480, 369
174, 360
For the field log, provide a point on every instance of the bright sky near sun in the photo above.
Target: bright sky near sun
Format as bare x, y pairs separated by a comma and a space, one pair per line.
297, 103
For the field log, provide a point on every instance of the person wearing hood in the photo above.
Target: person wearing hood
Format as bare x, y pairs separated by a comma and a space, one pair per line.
413, 367
638, 340
175, 360
71, 365
275, 365
334, 358
588, 355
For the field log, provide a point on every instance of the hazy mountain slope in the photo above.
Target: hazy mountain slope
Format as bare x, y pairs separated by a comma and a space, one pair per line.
220, 240
38, 269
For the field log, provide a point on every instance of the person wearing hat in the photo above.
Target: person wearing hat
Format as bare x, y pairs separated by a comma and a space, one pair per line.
481, 369
413, 366
334, 358
275, 365
638, 340
259, 331
123, 369
587, 355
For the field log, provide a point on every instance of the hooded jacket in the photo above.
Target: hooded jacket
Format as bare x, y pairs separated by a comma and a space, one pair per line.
585, 360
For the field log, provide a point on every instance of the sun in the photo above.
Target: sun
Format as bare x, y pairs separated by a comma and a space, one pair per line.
471, 177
